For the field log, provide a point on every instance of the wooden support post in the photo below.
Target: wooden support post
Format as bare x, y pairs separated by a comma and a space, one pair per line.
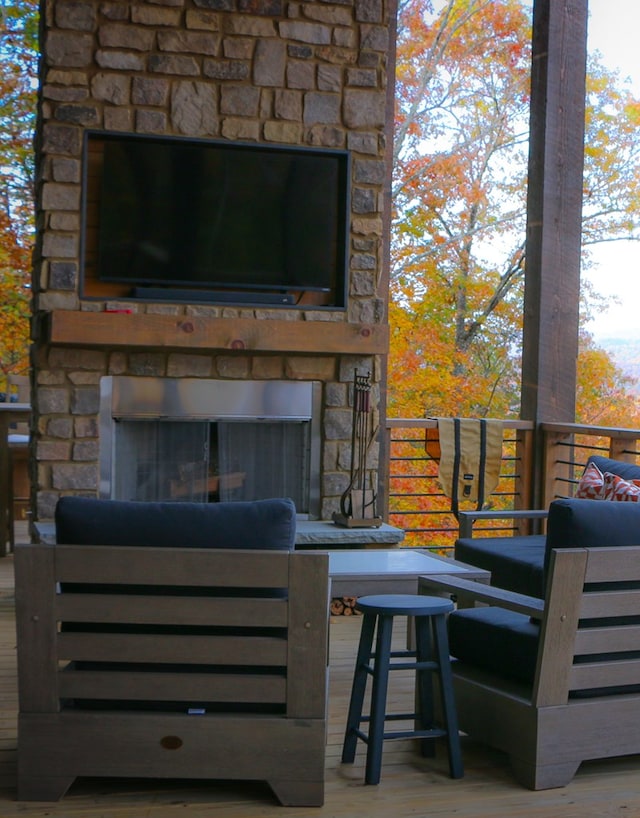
554, 214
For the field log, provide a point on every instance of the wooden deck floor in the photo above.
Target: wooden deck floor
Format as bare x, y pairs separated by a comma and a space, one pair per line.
410, 786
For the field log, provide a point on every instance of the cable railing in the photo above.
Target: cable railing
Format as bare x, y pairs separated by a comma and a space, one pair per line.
417, 504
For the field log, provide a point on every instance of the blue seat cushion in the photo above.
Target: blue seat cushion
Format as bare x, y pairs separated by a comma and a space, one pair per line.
259, 524
505, 643
516, 563
495, 640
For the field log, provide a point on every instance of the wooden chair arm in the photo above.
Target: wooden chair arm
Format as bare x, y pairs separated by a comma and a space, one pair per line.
472, 591
468, 518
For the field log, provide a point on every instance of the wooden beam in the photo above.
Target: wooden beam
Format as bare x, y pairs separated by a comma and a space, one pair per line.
387, 208
69, 327
554, 214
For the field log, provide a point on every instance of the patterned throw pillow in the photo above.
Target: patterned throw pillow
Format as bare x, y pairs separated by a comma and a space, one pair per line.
591, 485
615, 488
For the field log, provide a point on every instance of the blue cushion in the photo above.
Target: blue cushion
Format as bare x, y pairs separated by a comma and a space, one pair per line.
515, 563
628, 471
578, 523
259, 524
495, 640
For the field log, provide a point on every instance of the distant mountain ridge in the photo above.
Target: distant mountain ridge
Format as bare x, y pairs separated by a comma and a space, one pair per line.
626, 353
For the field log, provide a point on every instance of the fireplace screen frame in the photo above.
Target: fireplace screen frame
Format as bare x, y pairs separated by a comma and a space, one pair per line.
211, 401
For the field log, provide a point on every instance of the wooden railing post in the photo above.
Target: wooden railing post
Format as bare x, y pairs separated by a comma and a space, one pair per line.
623, 448
384, 472
524, 482
554, 469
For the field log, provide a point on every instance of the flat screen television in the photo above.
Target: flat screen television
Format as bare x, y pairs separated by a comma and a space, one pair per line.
201, 214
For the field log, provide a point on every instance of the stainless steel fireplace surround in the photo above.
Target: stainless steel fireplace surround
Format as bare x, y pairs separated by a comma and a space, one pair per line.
208, 440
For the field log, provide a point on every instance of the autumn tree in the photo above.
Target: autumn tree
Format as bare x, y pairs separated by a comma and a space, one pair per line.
459, 192
18, 82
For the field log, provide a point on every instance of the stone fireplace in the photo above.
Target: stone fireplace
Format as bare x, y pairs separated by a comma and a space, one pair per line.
271, 73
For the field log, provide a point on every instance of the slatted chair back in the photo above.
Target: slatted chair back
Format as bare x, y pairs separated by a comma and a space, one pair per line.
590, 637
171, 662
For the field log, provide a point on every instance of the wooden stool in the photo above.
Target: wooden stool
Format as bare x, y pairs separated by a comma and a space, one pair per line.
430, 629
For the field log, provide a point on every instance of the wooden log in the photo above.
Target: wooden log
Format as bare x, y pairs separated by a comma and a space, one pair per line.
337, 606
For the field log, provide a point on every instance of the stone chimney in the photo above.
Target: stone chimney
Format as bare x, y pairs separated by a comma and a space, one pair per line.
315, 74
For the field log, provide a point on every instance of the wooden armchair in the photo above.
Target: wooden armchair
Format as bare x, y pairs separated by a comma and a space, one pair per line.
554, 682
171, 662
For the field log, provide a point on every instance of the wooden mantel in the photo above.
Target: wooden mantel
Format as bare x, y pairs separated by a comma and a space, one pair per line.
235, 334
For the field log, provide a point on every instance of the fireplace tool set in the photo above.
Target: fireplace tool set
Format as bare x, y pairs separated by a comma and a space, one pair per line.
358, 503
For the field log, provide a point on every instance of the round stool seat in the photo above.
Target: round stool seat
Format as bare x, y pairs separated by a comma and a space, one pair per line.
404, 605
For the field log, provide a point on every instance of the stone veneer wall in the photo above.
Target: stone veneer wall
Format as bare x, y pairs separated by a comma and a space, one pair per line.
272, 71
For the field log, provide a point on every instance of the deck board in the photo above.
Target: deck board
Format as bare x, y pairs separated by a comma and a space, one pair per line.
410, 785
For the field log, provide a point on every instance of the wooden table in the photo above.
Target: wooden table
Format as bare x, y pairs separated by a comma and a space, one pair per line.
9, 413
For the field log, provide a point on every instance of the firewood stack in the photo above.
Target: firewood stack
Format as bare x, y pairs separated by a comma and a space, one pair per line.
344, 606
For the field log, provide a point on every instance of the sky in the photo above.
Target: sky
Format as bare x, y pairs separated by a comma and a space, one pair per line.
613, 31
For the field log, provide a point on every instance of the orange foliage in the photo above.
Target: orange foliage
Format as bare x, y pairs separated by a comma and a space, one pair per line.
18, 73
460, 109
15, 299
605, 396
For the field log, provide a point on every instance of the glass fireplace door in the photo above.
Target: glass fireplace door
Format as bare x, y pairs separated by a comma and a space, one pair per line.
208, 462
267, 459
161, 460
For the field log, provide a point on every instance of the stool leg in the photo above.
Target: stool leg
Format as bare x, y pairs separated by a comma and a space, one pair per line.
354, 716
378, 699
456, 769
424, 685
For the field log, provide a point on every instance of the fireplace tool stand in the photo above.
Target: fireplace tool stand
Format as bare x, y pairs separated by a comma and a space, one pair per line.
358, 503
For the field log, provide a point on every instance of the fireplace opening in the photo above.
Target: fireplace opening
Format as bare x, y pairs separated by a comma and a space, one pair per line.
173, 439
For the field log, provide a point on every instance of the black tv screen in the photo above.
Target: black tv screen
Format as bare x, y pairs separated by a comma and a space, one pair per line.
208, 214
